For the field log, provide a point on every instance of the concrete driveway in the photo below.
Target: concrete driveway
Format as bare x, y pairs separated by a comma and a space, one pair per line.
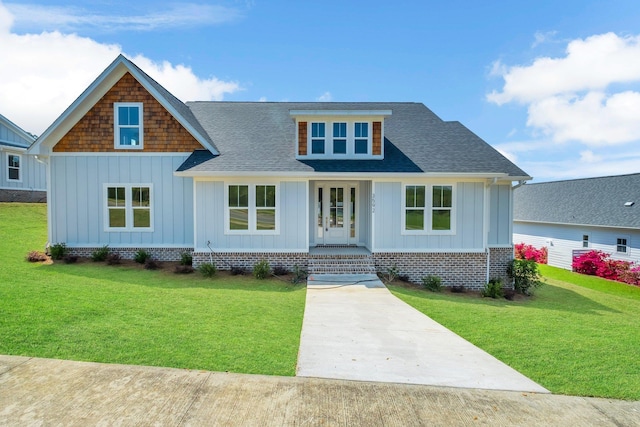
355, 329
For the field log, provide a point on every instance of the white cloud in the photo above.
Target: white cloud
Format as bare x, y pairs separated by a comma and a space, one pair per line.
73, 18
586, 96
540, 37
42, 74
325, 97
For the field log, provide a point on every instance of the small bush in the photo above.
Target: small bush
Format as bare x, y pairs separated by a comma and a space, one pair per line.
391, 274
299, 275
432, 283
141, 256
151, 264
58, 251
238, 271
70, 259
208, 269
598, 263
101, 254
458, 289
36, 256
186, 258
114, 258
280, 270
523, 251
404, 278
493, 289
261, 270
184, 269
525, 276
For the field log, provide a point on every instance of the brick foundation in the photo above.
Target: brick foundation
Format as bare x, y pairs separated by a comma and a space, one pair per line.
23, 196
226, 260
500, 260
160, 254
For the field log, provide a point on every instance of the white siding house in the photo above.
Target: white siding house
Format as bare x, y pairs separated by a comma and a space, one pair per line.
583, 214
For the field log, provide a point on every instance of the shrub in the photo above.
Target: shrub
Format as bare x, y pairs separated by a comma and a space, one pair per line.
141, 256
404, 278
70, 259
391, 274
100, 254
184, 269
525, 275
280, 270
113, 258
598, 263
432, 283
58, 251
523, 251
493, 289
151, 264
36, 256
261, 270
186, 258
299, 274
208, 269
238, 271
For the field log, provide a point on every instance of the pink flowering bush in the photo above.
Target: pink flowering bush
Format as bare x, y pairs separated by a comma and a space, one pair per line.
528, 252
598, 263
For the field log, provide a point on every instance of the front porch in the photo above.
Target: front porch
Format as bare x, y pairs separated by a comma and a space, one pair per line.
340, 260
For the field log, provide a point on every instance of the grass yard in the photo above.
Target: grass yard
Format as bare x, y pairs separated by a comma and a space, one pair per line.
579, 335
94, 312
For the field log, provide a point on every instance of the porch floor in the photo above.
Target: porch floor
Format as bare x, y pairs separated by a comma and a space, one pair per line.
339, 250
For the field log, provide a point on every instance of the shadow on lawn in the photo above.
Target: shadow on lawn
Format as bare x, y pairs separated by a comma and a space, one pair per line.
550, 297
165, 278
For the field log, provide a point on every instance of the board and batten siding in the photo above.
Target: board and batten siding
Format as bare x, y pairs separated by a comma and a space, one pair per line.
210, 220
78, 201
500, 215
32, 173
469, 213
561, 240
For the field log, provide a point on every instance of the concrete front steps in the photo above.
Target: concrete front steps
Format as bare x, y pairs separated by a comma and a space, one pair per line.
341, 264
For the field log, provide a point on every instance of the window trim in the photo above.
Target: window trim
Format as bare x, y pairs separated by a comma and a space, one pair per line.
128, 206
350, 139
19, 168
117, 126
253, 209
585, 241
626, 245
428, 209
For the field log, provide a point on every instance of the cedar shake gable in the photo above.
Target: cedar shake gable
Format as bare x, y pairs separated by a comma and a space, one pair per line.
94, 132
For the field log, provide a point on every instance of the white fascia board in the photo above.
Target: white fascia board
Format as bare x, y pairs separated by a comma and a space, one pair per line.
357, 176
12, 148
296, 113
616, 227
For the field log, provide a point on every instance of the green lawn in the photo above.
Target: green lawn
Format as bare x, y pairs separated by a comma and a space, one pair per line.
95, 312
579, 335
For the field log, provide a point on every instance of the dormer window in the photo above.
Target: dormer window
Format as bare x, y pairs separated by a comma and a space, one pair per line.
128, 129
340, 134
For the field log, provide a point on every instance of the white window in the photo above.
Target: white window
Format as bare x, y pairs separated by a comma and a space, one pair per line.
585, 240
128, 129
361, 138
317, 138
340, 139
252, 208
13, 167
621, 246
428, 209
128, 207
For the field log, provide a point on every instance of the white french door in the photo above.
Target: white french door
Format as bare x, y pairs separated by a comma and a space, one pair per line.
335, 213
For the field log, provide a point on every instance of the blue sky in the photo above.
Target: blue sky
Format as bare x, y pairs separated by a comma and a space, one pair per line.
555, 86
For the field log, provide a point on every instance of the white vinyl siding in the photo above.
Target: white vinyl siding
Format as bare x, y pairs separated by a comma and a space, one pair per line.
500, 197
77, 200
32, 173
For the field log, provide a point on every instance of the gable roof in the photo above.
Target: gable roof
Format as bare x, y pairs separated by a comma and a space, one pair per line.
590, 201
260, 137
100, 87
14, 136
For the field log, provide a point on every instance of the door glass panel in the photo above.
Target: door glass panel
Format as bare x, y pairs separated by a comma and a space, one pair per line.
319, 213
336, 207
353, 213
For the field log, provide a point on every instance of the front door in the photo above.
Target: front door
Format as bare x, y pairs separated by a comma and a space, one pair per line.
335, 214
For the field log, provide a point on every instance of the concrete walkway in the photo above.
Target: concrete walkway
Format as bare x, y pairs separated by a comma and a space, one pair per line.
355, 329
45, 392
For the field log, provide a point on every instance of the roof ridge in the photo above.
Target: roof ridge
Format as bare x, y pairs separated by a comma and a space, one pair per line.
583, 179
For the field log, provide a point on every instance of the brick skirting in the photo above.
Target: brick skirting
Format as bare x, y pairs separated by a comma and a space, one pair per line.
226, 260
500, 260
159, 254
23, 196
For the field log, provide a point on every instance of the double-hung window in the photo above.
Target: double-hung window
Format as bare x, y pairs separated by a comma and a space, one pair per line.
128, 128
339, 138
428, 209
621, 245
317, 138
128, 207
13, 167
361, 138
252, 208
585, 240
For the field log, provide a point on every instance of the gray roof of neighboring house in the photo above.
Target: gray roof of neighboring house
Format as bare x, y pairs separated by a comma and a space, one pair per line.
589, 201
260, 136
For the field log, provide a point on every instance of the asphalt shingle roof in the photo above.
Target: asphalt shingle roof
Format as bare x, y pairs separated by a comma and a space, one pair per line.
590, 201
261, 136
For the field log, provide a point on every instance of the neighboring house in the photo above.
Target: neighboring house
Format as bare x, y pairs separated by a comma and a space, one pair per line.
133, 167
22, 177
570, 217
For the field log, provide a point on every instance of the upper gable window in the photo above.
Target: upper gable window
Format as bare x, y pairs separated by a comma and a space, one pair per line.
128, 129
361, 136
13, 167
340, 138
317, 138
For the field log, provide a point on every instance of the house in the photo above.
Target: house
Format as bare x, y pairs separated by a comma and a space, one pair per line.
131, 166
22, 177
573, 216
